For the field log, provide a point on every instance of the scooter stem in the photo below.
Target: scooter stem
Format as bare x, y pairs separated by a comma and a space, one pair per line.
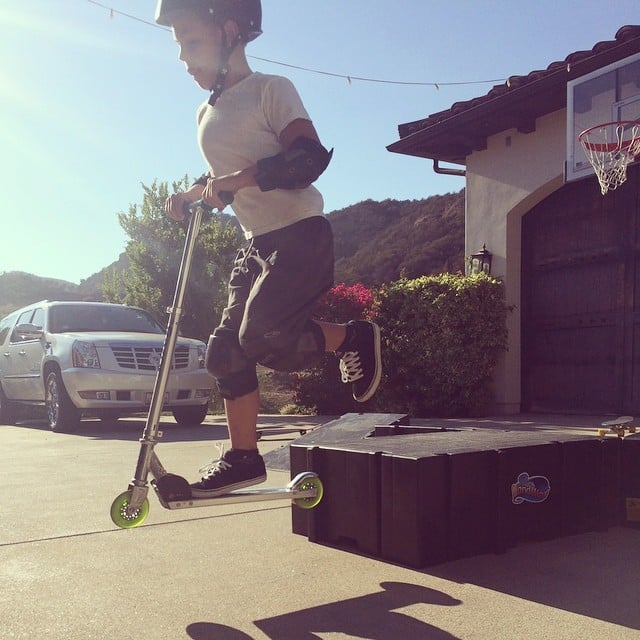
150, 433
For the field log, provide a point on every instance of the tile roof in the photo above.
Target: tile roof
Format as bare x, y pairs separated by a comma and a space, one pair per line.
451, 135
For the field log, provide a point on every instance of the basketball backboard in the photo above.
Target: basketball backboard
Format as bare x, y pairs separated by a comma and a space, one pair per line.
610, 94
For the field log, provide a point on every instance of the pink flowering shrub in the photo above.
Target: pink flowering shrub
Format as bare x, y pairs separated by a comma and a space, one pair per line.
344, 303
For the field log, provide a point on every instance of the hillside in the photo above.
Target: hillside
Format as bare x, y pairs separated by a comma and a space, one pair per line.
375, 242
378, 242
18, 289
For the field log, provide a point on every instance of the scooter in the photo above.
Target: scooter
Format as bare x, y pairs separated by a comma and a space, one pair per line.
131, 508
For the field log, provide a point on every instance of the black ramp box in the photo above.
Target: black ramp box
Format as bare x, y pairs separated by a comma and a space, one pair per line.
582, 486
419, 496
473, 503
414, 509
307, 454
349, 514
630, 480
610, 488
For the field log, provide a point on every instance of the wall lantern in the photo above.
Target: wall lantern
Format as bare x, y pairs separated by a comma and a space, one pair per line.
481, 261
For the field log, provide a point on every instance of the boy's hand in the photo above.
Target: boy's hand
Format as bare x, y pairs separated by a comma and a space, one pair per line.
174, 206
211, 194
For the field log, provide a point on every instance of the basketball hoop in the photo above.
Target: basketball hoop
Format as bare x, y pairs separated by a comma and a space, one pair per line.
610, 148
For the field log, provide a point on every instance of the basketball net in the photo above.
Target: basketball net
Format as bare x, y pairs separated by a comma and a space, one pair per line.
610, 148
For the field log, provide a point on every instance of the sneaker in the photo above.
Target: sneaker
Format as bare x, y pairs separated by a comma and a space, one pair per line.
361, 365
232, 471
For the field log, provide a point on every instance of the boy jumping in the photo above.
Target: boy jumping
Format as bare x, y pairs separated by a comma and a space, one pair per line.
260, 145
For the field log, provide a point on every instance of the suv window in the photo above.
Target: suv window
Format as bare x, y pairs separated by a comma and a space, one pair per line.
5, 327
38, 318
67, 318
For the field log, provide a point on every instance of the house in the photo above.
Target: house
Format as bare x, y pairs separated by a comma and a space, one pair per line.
569, 256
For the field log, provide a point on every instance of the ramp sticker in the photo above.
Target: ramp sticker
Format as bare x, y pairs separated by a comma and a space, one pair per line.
633, 509
530, 489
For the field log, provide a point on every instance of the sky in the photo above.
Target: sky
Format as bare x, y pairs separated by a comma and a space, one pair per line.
94, 103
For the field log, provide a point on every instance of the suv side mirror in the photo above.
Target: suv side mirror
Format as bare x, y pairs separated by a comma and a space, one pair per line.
28, 331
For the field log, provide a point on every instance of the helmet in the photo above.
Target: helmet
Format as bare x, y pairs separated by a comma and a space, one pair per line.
246, 13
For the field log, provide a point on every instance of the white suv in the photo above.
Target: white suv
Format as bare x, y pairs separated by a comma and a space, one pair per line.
95, 358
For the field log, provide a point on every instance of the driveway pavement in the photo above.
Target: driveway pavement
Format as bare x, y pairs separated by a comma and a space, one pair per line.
236, 572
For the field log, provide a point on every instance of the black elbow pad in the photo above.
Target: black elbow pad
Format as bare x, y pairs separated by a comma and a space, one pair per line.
296, 168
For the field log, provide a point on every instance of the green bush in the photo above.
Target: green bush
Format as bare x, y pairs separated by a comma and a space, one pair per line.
442, 336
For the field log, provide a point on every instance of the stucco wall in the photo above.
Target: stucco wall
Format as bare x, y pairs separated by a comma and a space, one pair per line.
503, 182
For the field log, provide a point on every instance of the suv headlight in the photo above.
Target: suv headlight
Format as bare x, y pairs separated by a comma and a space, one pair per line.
85, 355
202, 354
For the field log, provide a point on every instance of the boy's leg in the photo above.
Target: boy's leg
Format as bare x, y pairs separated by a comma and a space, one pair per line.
242, 420
334, 335
242, 465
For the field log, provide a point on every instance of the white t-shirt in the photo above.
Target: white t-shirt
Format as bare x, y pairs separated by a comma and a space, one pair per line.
242, 128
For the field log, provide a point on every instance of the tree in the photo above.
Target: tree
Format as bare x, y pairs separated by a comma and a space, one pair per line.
155, 252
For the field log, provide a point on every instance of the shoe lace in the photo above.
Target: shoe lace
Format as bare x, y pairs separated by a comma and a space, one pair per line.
350, 366
215, 466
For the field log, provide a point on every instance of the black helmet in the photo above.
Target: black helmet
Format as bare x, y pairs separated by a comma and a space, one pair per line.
246, 13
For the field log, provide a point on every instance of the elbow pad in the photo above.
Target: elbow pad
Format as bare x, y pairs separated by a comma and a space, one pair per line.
296, 168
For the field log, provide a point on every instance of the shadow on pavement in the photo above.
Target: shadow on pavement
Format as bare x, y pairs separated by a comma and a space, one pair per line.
372, 616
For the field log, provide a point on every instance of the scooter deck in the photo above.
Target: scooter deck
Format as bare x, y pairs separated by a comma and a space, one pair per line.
304, 488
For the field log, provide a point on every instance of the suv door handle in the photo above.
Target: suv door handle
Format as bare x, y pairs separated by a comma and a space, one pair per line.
22, 353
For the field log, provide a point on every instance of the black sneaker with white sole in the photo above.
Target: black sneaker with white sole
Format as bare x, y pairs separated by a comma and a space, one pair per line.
360, 359
234, 470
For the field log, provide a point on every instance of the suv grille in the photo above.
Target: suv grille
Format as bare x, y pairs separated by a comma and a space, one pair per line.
147, 358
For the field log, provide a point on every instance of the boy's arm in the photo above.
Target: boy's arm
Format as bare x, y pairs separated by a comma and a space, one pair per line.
265, 173
298, 129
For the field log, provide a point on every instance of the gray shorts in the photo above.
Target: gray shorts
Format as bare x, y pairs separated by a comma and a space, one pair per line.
274, 285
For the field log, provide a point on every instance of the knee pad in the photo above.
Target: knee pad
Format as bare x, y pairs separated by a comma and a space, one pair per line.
235, 374
299, 354
224, 356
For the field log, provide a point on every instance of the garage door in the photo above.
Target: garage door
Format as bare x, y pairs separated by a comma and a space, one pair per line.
581, 300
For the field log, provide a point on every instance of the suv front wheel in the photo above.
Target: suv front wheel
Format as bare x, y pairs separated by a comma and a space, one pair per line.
190, 416
62, 414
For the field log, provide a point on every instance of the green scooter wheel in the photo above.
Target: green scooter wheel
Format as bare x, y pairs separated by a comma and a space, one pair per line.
122, 518
313, 483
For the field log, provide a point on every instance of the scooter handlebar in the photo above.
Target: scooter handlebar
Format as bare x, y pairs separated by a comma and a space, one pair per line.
190, 207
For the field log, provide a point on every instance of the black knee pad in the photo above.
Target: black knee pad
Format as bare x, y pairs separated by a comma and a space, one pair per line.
235, 374
224, 356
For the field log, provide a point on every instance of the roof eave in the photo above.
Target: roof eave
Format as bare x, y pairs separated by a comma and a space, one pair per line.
457, 132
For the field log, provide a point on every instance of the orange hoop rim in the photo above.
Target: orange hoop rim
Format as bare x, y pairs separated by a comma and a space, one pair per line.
600, 147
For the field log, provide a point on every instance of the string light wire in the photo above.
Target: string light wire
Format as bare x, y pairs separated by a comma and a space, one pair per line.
348, 78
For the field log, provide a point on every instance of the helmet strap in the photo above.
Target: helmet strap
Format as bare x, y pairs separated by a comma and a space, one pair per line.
217, 88
223, 70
